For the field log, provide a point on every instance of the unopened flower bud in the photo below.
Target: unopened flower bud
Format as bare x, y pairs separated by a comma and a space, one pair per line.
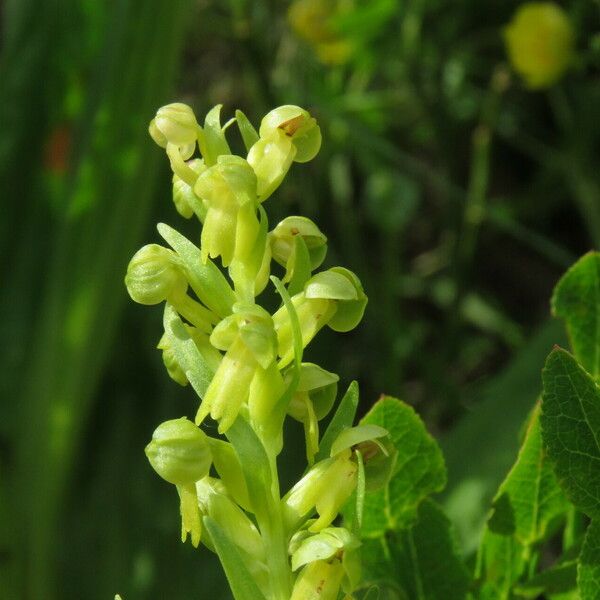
179, 452
175, 124
153, 274
297, 124
540, 43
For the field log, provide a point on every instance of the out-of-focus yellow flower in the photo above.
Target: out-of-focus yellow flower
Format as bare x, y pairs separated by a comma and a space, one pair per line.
312, 20
540, 42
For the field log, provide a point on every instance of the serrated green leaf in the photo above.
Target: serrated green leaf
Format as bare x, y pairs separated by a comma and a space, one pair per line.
576, 299
187, 355
240, 580
558, 579
529, 500
422, 560
419, 470
430, 566
570, 422
477, 451
588, 572
343, 418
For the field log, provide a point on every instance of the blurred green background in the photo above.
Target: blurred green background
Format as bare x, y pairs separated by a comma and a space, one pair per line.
457, 194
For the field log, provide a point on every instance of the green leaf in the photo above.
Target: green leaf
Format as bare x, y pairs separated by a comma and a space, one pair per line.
187, 355
500, 564
353, 436
419, 470
229, 468
207, 281
214, 137
240, 580
477, 451
422, 560
576, 299
359, 504
249, 134
529, 500
282, 403
588, 573
343, 418
301, 270
558, 579
570, 422
254, 461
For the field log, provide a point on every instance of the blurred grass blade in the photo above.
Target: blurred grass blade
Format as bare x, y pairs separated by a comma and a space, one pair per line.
99, 222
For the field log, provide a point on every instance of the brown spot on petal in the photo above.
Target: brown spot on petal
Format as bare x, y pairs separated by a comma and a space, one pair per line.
292, 125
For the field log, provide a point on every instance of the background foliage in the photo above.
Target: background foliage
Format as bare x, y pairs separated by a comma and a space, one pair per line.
458, 196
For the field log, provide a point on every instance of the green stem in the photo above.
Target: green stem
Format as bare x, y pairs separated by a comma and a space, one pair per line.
276, 542
584, 186
475, 203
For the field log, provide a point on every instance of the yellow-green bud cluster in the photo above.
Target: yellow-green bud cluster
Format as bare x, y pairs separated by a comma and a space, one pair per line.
243, 361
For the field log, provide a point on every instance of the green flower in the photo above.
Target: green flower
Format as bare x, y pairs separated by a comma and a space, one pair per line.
287, 134
180, 453
540, 43
175, 128
297, 124
324, 489
215, 502
334, 297
185, 200
206, 349
284, 248
228, 190
175, 124
329, 543
155, 275
312, 401
248, 373
319, 580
